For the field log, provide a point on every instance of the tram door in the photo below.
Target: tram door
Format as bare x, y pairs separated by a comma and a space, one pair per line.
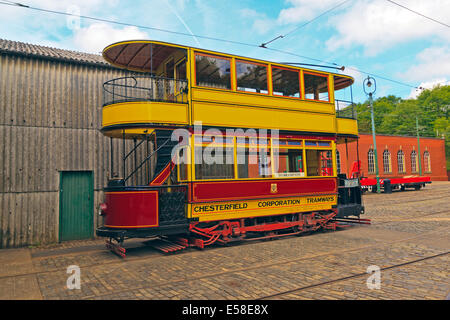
76, 205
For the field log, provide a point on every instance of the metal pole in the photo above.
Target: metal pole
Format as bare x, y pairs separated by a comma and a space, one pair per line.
418, 146
346, 160
123, 153
374, 144
112, 158
357, 158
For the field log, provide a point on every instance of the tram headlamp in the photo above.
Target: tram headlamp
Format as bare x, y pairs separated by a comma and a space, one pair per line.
103, 208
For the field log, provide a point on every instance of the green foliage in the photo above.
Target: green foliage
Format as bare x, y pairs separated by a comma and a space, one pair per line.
393, 115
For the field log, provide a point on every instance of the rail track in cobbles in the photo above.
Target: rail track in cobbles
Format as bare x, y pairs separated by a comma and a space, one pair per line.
324, 265
186, 280
152, 253
350, 277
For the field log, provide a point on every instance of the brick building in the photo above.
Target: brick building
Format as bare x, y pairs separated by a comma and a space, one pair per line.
397, 156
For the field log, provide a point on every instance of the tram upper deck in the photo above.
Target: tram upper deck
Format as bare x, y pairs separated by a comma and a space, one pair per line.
176, 86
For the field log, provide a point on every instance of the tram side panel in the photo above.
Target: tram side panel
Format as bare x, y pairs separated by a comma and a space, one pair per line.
244, 199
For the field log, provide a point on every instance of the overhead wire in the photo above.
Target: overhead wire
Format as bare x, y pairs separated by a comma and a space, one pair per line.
418, 13
11, 3
263, 45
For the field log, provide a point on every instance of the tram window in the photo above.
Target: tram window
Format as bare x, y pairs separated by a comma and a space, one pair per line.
288, 163
183, 165
324, 143
180, 70
310, 143
253, 162
285, 82
212, 72
251, 77
296, 143
169, 69
214, 162
319, 163
316, 87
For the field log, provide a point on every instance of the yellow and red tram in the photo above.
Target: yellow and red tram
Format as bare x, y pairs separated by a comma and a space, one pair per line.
222, 147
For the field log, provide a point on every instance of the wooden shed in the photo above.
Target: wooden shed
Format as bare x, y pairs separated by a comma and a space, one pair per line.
54, 161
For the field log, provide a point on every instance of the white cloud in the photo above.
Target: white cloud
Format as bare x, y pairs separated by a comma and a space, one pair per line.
433, 63
378, 25
98, 35
353, 72
426, 85
261, 23
303, 10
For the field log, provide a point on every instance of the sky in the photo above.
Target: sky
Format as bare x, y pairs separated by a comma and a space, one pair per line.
375, 37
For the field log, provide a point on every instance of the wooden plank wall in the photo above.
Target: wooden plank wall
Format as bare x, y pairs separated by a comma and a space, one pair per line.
49, 121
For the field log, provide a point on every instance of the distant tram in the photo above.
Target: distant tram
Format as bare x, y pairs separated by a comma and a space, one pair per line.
210, 148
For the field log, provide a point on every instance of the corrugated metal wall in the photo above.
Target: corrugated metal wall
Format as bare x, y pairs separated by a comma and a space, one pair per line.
49, 121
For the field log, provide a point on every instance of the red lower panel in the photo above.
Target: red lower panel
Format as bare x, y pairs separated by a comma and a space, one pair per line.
131, 209
235, 190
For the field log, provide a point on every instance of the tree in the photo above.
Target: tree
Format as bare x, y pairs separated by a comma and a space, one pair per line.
393, 115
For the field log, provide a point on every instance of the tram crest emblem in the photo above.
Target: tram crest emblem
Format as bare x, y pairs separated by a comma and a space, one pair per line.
273, 188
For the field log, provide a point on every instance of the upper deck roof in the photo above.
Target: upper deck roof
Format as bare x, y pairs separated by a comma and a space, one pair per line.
146, 55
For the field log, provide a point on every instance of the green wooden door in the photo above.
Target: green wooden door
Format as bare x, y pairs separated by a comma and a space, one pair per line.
76, 205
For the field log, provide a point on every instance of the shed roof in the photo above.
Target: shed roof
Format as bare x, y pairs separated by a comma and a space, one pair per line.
34, 50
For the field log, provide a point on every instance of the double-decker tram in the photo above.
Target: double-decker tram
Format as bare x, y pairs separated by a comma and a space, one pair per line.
210, 148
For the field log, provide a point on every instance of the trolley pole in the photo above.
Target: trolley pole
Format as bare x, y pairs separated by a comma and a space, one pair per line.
368, 83
418, 146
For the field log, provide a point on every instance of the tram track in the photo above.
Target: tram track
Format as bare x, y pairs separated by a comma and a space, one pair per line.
380, 243
378, 221
381, 221
280, 262
399, 265
412, 201
156, 254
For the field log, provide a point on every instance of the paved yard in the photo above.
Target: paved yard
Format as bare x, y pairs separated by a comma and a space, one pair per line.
409, 241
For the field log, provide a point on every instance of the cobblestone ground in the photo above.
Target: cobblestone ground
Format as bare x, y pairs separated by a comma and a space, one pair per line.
408, 229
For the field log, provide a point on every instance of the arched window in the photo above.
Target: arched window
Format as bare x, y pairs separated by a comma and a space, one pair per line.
338, 161
427, 161
371, 161
401, 162
387, 161
414, 163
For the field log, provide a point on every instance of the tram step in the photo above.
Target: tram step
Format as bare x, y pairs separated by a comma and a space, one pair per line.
167, 246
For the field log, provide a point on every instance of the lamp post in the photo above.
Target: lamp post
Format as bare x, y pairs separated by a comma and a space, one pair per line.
418, 146
370, 86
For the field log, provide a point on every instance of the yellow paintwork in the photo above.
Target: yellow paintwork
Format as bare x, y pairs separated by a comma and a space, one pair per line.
211, 211
230, 108
129, 133
223, 115
242, 99
347, 126
191, 168
145, 112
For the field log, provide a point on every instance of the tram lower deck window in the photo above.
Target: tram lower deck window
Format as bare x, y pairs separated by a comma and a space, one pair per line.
319, 163
214, 163
253, 162
288, 163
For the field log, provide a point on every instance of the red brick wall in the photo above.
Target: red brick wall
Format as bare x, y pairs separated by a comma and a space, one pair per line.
435, 146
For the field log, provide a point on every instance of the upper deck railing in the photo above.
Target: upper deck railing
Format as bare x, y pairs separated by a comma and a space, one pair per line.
345, 109
145, 88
